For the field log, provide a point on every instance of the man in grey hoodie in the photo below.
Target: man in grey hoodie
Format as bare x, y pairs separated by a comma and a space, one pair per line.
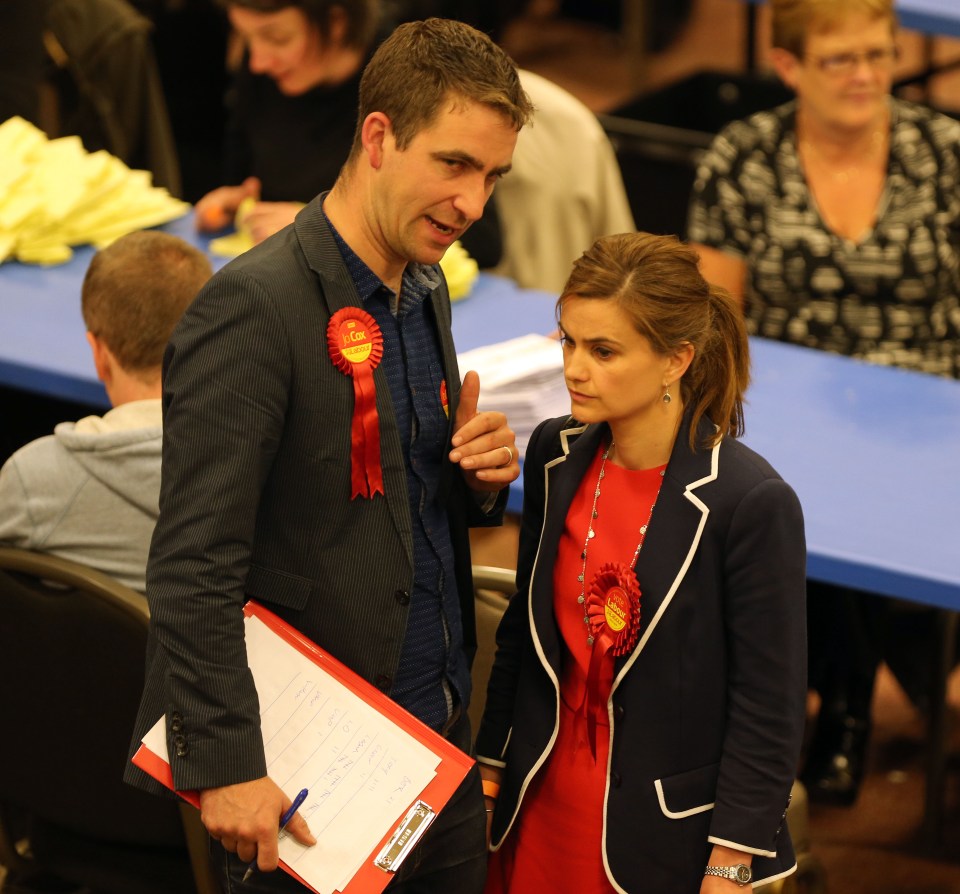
90, 491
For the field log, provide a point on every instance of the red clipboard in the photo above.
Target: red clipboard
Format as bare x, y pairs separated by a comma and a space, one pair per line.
452, 769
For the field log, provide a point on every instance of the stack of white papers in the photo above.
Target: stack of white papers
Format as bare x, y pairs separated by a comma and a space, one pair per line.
522, 377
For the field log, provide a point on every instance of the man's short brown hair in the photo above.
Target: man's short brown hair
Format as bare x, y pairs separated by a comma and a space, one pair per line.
422, 66
135, 292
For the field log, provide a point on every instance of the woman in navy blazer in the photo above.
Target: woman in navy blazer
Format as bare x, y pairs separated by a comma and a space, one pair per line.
646, 706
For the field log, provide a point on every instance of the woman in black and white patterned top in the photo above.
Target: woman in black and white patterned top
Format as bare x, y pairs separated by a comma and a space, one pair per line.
837, 216
836, 220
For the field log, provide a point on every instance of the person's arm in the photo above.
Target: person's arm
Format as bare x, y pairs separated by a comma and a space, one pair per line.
226, 387
725, 856
716, 217
764, 601
722, 269
16, 524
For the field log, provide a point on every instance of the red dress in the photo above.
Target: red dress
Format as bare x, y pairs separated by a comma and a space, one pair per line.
555, 842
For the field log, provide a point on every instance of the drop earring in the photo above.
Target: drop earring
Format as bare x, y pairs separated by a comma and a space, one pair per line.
666, 394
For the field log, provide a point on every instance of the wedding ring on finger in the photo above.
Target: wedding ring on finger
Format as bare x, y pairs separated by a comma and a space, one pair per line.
509, 457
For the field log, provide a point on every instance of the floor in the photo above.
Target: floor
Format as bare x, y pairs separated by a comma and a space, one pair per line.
875, 846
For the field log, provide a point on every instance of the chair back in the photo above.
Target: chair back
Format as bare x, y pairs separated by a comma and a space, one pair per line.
72, 650
492, 589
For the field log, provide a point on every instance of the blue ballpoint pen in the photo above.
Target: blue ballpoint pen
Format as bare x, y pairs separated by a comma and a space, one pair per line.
287, 816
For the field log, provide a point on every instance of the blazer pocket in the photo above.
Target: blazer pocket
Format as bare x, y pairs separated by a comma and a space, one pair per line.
685, 794
278, 587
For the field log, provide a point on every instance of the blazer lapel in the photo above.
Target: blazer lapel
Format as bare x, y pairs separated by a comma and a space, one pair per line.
563, 475
673, 537
337, 291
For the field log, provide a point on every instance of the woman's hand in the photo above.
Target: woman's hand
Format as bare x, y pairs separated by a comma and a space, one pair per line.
725, 856
491, 777
218, 207
266, 218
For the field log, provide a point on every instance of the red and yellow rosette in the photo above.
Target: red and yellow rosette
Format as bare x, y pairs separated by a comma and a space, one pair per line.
613, 610
355, 343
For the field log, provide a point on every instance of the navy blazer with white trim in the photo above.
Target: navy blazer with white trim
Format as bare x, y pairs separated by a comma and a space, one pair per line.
707, 712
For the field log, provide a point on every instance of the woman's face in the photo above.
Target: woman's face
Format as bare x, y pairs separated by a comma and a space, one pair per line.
612, 372
844, 77
284, 45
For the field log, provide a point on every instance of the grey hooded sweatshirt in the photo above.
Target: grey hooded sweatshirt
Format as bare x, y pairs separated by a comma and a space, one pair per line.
89, 492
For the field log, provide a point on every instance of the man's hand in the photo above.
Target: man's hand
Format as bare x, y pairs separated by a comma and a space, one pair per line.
245, 819
483, 444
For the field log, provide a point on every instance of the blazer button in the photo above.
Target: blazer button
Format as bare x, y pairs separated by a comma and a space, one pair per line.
618, 712
182, 748
403, 597
615, 780
384, 682
177, 724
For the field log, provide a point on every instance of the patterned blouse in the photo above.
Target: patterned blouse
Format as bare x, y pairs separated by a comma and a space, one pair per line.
892, 298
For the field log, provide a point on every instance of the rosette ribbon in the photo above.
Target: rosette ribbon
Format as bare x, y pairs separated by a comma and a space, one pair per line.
355, 343
613, 613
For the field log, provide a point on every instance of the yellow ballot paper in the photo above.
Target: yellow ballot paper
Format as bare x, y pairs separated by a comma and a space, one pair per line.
54, 195
459, 270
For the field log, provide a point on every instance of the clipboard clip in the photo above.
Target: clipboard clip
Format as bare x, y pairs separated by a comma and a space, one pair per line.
406, 835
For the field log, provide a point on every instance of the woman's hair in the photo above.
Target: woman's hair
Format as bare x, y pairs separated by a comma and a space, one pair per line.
361, 16
423, 66
657, 282
795, 20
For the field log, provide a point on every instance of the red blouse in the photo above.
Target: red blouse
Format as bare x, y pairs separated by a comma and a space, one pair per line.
555, 843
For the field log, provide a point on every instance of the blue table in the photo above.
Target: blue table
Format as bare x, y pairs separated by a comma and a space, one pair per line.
43, 349
930, 16
871, 451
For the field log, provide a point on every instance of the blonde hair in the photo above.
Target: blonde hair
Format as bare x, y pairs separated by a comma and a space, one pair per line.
656, 280
795, 20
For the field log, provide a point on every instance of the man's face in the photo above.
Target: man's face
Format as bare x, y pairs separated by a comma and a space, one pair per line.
427, 195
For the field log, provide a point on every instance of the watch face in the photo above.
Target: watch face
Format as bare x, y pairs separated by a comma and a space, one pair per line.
743, 874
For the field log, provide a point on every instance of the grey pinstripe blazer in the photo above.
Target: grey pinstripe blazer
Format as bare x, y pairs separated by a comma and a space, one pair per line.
255, 502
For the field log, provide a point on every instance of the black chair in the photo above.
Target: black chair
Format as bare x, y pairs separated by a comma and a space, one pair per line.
72, 643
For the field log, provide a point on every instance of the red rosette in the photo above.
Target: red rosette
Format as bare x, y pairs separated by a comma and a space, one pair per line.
613, 607
355, 344
613, 611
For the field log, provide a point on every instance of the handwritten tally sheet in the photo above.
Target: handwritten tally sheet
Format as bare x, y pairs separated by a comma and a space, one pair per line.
361, 769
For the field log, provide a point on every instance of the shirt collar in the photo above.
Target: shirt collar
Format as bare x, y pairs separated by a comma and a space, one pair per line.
423, 277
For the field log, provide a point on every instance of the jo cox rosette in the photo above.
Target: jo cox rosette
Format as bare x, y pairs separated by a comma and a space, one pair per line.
355, 343
613, 610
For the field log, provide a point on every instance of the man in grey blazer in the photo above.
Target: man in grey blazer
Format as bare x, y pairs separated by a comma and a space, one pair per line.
321, 456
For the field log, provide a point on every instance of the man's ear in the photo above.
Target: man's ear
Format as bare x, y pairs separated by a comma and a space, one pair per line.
102, 358
786, 65
375, 136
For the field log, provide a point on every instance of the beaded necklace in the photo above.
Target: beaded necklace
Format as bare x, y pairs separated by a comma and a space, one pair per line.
591, 533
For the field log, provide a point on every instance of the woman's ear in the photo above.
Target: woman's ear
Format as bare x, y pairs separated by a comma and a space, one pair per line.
678, 363
337, 24
786, 65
